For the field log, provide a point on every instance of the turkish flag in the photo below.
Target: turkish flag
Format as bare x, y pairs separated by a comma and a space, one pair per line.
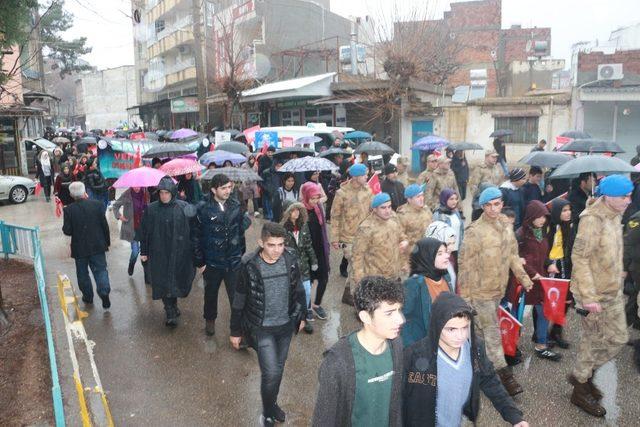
137, 159
509, 330
374, 184
555, 299
58, 207
38, 189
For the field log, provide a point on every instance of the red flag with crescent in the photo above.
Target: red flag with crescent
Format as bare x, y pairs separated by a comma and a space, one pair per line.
555, 299
509, 331
374, 184
137, 158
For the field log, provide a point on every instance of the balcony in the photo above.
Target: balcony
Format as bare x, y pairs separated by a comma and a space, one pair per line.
180, 65
178, 24
177, 38
180, 76
163, 7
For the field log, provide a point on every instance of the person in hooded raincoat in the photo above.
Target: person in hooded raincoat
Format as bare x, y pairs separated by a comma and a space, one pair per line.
167, 244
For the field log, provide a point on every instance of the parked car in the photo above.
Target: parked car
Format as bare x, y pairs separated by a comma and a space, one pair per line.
16, 189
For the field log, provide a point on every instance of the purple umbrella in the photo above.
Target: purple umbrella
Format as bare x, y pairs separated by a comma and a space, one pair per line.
220, 156
431, 142
140, 177
183, 133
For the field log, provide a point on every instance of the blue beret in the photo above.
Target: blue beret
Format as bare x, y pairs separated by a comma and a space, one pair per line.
358, 170
413, 190
489, 194
615, 186
380, 199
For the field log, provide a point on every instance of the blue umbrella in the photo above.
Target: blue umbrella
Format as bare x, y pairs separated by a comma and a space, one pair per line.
307, 140
431, 142
358, 134
220, 156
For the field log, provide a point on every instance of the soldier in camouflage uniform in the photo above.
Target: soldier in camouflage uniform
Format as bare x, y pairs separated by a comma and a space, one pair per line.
414, 216
441, 178
489, 251
425, 175
350, 207
596, 283
489, 171
403, 166
379, 243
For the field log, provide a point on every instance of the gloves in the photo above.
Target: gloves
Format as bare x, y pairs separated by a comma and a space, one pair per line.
314, 267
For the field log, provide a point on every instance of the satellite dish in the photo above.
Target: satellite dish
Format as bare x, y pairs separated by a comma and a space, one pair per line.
205, 142
102, 144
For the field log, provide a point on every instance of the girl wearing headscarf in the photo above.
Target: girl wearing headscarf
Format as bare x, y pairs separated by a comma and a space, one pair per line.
311, 194
443, 232
429, 261
449, 213
61, 185
133, 202
189, 189
44, 172
249, 189
314, 176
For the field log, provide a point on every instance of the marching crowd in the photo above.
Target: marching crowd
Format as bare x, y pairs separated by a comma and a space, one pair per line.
426, 282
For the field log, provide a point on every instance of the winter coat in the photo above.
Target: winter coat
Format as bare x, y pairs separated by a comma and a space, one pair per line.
597, 255
192, 190
395, 190
489, 251
425, 176
414, 223
485, 173
530, 191
85, 222
421, 372
444, 215
40, 172
512, 197
533, 251
219, 234
578, 200
337, 386
95, 182
278, 202
302, 247
61, 188
376, 248
125, 201
351, 206
416, 309
566, 228
321, 246
460, 168
440, 179
631, 259
247, 311
167, 238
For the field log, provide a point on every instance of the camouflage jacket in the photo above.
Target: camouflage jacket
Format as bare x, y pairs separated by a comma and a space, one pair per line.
350, 207
414, 222
440, 179
489, 251
424, 177
597, 255
485, 173
376, 248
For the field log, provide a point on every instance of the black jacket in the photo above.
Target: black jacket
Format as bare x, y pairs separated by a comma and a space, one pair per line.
247, 311
395, 190
95, 182
85, 222
219, 235
421, 372
337, 386
460, 168
167, 238
631, 258
578, 200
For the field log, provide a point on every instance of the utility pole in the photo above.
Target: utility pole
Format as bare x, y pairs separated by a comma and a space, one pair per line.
200, 71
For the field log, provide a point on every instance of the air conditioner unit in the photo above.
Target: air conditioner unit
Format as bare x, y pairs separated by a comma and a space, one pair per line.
610, 72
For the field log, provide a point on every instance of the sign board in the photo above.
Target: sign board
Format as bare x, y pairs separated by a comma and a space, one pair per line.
287, 141
185, 104
269, 138
219, 137
120, 156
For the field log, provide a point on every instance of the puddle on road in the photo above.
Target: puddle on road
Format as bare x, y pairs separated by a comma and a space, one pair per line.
607, 379
331, 329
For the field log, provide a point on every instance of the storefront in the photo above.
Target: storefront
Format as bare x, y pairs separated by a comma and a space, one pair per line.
13, 129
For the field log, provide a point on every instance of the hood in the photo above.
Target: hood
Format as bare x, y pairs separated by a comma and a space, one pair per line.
556, 208
535, 209
509, 185
442, 310
166, 183
423, 257
288, 207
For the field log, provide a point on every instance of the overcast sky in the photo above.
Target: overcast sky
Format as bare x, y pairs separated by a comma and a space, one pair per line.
110, 32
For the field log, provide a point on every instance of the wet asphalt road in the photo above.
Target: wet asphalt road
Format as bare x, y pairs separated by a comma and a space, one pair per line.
153, 375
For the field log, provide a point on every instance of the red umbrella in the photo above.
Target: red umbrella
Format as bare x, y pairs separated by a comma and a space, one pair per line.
177, 167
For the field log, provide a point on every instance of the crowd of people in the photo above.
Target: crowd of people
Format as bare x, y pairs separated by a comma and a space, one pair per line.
426, 283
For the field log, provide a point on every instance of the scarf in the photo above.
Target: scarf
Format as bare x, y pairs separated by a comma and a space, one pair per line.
308, 190
139, 205
423, 258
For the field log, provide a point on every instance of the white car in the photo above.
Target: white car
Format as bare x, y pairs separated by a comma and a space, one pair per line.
16, 189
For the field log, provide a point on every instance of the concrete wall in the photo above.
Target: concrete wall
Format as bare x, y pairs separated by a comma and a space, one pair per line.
599, 123
523, 74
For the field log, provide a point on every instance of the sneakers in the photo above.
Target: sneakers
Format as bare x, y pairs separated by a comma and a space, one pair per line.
310, 317
548, 354
106, 303
319, 311
210, 328
268, 421
280, 415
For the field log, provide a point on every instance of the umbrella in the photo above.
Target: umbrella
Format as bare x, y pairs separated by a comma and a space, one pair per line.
306, 164
464, 146
177, 167
234, 174
307, 140
575, 134
591, 145
594, 164
220, 156
233, 147
86, 140
168, 149
500, 133
43, 143
334, 151
374, 148
300, 151
545, 159
183, 133
431, 142
233, 132
357, 134
60, 140
140, 177
151, 135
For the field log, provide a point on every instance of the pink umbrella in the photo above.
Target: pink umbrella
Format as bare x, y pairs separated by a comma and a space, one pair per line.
140, 177
177, 167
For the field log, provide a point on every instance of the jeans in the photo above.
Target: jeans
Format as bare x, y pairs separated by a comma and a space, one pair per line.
503, 163
541, 324
98, 265
100, 197
266, 207
307, 291
213, 277
135, 251
272, 349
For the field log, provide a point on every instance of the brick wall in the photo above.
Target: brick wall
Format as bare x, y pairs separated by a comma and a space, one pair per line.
588, 65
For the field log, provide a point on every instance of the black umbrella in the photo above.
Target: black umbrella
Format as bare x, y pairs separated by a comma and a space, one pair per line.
300, 151
334, 151
545, 159
234, 174
591, 145
592, 164
233, 147
168, 149
575, 134
500, 133
86, 140
374, 148
464, 146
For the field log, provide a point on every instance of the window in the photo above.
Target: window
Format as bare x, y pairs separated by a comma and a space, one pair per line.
290, 118
319, 115
159, 25
525, 129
